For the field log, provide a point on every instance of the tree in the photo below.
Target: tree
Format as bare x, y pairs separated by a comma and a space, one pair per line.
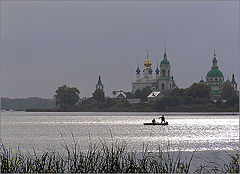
228, 91
98, 95
137, 93
177, 92
159, 104
198, 90
233, 100
66, 96
143, 93
187, 100
129, 95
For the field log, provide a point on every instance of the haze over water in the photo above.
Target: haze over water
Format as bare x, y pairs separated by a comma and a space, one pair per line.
185, 132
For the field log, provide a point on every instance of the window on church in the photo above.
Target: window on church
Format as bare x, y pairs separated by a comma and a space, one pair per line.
168, 73
163, 86
216, 79
163, 72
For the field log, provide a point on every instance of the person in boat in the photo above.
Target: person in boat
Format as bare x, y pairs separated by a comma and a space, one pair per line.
153, 121
162, 119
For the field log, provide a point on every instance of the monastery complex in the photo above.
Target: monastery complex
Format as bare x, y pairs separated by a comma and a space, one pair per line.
163, 80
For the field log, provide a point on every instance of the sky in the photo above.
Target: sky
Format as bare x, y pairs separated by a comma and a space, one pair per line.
46, 44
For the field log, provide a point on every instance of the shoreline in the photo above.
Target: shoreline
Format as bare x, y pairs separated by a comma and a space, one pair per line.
165, 113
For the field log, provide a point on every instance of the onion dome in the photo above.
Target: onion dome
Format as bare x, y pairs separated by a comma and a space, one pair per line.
220, 80
157, 71
228, 81
150, 70
147, 63
138, 70
164, 62
201, 81
214, 72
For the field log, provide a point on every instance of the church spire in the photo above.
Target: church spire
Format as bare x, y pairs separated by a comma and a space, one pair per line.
165, 61
233, 79
214, 61
147, 54
165, 52
138, 69
157, 70
99, 84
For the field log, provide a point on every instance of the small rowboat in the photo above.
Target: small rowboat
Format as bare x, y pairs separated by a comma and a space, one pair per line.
157, 123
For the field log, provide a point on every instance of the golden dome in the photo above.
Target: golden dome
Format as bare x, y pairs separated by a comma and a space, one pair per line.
147, 64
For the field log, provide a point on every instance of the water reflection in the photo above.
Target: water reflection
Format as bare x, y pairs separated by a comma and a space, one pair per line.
185, 132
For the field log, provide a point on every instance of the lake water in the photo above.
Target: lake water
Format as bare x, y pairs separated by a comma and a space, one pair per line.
185, 132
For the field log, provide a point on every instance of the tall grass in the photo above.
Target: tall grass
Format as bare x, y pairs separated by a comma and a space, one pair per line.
106, 158
230, 166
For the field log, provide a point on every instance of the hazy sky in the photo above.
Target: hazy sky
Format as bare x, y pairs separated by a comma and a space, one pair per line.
48, 44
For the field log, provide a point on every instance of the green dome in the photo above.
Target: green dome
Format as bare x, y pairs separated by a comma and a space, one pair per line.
201, 81
214, 73
228, 80
164, 62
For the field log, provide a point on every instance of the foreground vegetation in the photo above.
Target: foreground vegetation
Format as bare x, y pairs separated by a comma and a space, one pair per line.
114, 158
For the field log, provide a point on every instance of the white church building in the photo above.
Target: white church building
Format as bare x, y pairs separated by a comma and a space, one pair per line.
161, 81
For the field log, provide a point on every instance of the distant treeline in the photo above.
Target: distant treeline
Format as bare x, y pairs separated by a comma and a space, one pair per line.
195, 98
26, 103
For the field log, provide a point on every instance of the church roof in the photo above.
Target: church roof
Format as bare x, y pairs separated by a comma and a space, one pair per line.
99, 83
121, 95
153, 94
164, 62
214, 73
233, 79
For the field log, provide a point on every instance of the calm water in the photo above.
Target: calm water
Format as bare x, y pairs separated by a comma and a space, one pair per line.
186, 132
